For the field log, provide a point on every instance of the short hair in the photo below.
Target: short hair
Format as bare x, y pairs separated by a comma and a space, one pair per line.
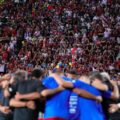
20, 75
106, 76
37, 73
95, 75
73, 72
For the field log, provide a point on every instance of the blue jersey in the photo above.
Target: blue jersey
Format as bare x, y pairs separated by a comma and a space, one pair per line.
57, 105
73, 103
89, 109
74, 112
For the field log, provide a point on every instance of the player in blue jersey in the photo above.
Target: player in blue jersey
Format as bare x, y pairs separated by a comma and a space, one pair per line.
96, 109
112, 86
80, 105
57, 106
89, 109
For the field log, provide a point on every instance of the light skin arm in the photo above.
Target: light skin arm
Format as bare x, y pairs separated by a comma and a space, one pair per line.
115, 92
18, 104
36, 95
30, 96
99, 85
78, 91
87, 95
50, 92
15, 103
62, 82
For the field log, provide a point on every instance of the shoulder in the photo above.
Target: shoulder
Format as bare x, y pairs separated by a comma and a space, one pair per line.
47, 79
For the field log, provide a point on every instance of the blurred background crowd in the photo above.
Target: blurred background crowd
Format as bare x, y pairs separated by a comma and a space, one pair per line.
82, 34
51, 35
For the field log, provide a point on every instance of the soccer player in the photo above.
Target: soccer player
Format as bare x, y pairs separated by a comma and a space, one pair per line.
57, 106
95, 108
106, 101
84, 106
92, 107
26, 102
96, 111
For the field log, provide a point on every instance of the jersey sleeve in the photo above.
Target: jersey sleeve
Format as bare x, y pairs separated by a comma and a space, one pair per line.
50, 82
77, 83
107, 94
45, 81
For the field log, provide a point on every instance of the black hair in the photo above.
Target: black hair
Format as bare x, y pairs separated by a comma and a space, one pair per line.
37, 73
73, 72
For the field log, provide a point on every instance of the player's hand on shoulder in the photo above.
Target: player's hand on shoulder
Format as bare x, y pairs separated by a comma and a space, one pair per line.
99, 99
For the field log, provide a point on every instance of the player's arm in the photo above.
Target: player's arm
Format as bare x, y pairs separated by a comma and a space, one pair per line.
18, 104
99, 85
29, 96
85, 94
62, 82
112, 94
37, 95
50, 92
115, 92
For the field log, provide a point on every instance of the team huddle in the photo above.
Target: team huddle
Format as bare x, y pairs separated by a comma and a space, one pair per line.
59, 95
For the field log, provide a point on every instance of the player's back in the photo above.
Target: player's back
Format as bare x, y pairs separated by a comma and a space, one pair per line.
57, 105
89, 109
25, 87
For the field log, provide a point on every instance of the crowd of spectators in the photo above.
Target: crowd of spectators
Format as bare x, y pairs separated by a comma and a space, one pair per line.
83, 34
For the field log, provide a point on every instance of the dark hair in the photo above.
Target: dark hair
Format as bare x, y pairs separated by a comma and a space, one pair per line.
73, 72
37, 73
